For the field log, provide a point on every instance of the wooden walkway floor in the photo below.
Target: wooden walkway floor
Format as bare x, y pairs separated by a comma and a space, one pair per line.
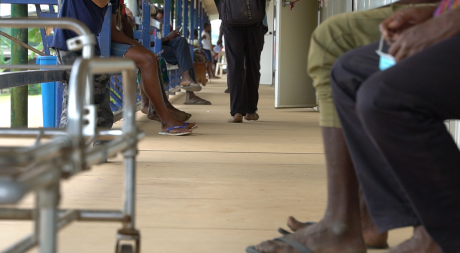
225, 187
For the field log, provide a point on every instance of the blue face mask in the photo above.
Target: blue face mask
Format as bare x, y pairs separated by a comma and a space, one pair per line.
386, 60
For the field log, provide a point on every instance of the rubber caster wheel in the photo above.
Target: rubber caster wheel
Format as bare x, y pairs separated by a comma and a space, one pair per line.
127, 248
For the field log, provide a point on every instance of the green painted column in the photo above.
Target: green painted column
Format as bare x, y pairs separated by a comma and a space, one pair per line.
19, 55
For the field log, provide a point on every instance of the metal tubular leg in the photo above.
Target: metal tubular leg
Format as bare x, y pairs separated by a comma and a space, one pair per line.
130, 191
48, 199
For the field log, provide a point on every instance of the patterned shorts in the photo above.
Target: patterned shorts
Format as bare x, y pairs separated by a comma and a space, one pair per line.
101, 92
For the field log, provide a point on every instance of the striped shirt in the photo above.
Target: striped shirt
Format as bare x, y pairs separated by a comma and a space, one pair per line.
446, 5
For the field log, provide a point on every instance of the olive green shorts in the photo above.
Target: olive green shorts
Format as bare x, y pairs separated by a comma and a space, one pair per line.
334, 37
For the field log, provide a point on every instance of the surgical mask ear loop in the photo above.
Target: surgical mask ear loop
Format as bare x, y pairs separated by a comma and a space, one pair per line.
381, 44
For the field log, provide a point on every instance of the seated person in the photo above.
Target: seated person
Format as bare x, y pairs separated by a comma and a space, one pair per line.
91, 13
125, 46
331, 39
176, 50
393, 121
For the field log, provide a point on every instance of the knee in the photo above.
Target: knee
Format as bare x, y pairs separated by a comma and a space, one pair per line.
148, 61
339, 70
181, 41
372, 102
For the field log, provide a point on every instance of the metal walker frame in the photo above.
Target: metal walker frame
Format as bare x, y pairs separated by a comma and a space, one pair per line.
41, 167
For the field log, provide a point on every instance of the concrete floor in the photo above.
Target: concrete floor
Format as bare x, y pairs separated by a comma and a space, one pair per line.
221, 189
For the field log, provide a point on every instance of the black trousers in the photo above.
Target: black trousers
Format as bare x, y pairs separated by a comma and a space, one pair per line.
393, 121
243, 47
177, 52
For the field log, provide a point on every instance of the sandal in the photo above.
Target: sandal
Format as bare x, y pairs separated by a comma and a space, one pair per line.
191, 87
167, 132
285, 232
199, 101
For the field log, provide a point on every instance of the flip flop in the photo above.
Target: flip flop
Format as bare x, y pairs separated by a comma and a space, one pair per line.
289, 241
193, 127
198, 102
190, 87
175, 134
285, 232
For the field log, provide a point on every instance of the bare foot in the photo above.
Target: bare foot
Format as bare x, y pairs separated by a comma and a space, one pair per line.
372, 237
237, 118
180, 115
174, 112
320, 238
295, 225
192, 99
251, 116
145, 109
420, 242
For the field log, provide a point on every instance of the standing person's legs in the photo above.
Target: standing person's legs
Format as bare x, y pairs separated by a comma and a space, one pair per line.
101, 93
234, 49
209, 62
403, 110
254, 46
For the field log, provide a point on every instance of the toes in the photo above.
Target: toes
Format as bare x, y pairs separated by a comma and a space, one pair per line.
294, 224
274, 247
191, 126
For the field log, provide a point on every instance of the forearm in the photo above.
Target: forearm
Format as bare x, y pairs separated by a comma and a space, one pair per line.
449, 22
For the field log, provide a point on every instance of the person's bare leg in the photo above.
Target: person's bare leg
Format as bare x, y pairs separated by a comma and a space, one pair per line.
147, 63
421, 242
145, 102
340, 229
176, 113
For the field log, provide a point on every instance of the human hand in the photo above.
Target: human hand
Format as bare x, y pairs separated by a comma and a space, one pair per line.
173, 34
426, 34
219, 42
401, 20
